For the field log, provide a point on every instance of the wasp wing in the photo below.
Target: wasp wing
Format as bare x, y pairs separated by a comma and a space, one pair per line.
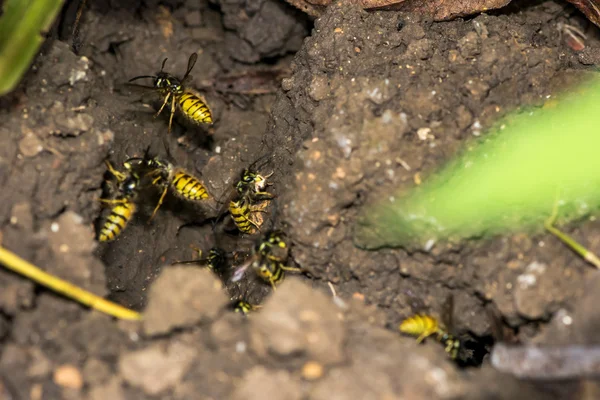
191, 62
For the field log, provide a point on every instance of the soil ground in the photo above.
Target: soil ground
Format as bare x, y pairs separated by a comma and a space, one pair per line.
368, 102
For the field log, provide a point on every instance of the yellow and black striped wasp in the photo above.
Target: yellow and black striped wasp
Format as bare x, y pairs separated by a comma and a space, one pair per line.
243, 307
269, 260
250, 201
426, 325
124, 204
190, 103
165, 175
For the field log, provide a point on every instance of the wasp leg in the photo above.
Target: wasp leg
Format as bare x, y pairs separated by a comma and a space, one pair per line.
199, 258
197, 250
117, 174
113, 201
160, 201
172, 113
155, 180
268, 176
453, 348
423, 337
569, 241
256, 225
292, 269
163, 104
261, 196
254, 217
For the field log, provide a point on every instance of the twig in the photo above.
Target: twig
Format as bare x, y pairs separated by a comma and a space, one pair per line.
568, 240
332, 289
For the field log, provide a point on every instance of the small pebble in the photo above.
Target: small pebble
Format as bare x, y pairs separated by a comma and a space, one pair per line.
423, 133
30, 145
68, 376
358, 296
312, 370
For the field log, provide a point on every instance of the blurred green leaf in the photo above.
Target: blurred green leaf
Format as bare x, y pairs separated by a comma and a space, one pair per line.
509, 180
20, 36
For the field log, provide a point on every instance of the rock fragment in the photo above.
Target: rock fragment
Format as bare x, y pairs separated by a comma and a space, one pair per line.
182, 297
156, 368
298, 323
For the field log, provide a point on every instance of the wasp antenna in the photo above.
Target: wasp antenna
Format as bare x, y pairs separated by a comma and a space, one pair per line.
147, 154
163, 64
261, 158
141, 77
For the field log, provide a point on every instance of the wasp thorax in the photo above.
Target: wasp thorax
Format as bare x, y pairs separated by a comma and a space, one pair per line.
129, 185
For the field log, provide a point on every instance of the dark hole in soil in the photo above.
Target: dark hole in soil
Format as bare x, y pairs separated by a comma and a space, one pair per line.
478, 349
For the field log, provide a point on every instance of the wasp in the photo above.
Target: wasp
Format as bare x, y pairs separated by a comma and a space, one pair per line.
124, 205
216, 260
250, 201
165, 175
274, 246
269, 260
425, 325
190, 103
243, 307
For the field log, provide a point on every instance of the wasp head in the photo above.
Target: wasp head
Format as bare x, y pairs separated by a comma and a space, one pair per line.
167, 83
273, 239
217, 258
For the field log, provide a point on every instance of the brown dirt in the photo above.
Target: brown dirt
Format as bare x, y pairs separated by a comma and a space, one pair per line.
341, 132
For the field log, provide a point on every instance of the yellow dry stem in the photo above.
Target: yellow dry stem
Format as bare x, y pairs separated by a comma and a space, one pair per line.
22, 267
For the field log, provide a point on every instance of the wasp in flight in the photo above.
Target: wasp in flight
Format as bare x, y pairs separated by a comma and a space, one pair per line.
425, 325
124, 205
269, 260
190, 103
250, 201
165, 175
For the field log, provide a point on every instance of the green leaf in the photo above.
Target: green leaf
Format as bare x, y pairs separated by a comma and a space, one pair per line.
509, 180
21, 26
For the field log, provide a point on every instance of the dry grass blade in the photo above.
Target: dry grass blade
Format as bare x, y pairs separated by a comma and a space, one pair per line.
22, 267
591, 9
436, 9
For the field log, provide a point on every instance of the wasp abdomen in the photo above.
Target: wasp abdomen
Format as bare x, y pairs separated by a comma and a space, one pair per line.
189, 186
420, 325
248, 217
271, 272
239, 213
195, 107
119, 216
